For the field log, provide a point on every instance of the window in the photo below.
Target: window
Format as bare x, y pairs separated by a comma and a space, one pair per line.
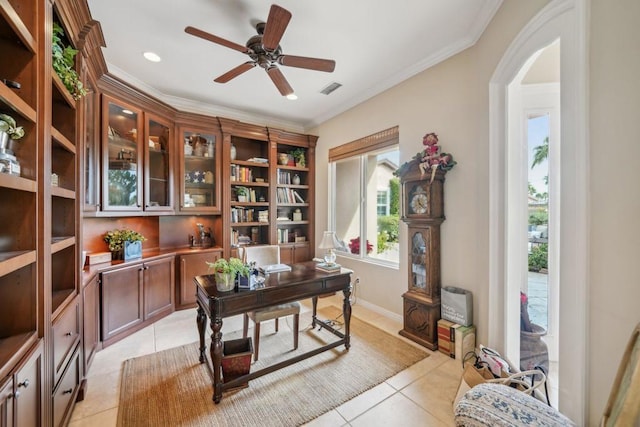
383, 202
365, 197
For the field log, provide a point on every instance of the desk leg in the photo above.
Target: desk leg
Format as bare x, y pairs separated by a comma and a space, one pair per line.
201, 318
346, 311
216, 357
315, 311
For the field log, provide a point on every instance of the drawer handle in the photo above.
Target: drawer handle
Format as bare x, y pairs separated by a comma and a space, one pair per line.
67, 391
24, 383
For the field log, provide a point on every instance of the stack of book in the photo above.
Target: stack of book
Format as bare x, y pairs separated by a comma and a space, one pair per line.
328, 268
455, 340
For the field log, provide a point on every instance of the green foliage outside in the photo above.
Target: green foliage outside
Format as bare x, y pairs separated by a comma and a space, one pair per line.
387, 231
538, 257
539, 218
394, 193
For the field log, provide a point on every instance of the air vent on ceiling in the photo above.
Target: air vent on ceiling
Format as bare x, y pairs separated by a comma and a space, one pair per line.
333, 86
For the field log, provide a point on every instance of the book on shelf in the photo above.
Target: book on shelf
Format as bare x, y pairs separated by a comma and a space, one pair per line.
328, 268
297, 197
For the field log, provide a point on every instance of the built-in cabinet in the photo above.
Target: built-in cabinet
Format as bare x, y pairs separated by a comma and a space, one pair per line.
134, 295
189, 266
21, 392
137, 159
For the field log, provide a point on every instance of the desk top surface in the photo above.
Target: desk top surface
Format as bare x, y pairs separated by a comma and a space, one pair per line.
304, 272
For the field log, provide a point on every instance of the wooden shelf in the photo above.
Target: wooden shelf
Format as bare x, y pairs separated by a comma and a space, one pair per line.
286, 223
12, 349
15, 22
63, 193
249, 184
250, 204
17, 183
301, 187
11, 98
61, 243
293, 168
58, 299
250, 224
250, 164
12, 261
62, 90
63, 141
293, 205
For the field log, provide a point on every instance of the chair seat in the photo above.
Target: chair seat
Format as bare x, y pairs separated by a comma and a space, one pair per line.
274, 311
499, 405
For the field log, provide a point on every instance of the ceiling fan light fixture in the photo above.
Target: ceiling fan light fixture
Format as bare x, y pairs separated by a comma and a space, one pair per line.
292, 97
152, 56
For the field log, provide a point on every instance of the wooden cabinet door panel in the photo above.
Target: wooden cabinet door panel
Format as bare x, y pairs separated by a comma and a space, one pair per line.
301, 253
159, 281
121, 300
28, 385
91, 318
6, 403
190, 266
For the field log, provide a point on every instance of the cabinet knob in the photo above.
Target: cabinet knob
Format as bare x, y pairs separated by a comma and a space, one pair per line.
68, 334
24, 383
16, 394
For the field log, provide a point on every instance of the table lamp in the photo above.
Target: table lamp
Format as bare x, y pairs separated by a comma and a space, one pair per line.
329, 242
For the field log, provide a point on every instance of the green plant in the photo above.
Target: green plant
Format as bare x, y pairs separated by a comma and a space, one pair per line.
233, 266
116, 238
538, 257
539, 218
389, 224
299, 156
8, 124
63, 63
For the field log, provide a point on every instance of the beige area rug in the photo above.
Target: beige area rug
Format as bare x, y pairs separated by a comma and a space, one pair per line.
171, 388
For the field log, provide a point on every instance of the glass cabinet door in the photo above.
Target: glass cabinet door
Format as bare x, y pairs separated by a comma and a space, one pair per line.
157, 195
91, 159
121, 156
199, 171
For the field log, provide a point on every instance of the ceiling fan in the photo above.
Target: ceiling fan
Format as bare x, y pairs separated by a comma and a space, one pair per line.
264, 50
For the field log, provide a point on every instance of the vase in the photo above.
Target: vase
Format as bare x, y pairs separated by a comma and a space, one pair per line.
533, 349
283, 158
296, 179
233, 152
225, 281
117, 255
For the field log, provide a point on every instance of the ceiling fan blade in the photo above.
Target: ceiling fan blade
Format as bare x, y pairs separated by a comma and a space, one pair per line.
327, 65
219, 40
278, 79
235, 72
276, 25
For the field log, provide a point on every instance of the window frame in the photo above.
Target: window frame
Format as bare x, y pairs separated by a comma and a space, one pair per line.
360, 149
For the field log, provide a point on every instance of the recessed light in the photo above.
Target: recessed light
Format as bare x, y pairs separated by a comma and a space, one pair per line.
128, 112
153, 57
292, 96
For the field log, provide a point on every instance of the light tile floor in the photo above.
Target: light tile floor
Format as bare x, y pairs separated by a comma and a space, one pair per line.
421, 395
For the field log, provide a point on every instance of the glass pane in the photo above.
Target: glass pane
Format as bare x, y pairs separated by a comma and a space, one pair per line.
538, 224
418, 258
158, 165
90, 152
347, 203
123, 157
199, 170
383, 198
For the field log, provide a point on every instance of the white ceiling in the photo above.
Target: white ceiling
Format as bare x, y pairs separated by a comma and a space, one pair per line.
376, 44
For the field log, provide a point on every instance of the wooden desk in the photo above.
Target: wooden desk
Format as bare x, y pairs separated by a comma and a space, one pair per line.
303, 281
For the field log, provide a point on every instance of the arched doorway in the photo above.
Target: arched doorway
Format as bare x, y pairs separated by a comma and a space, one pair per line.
564, 21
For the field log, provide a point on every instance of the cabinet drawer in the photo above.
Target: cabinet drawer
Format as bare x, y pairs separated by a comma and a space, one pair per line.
65, 392
66, 333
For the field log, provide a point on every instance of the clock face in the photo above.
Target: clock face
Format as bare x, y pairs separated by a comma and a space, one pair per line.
419, 201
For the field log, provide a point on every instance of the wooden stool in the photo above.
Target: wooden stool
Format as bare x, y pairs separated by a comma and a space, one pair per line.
268, 313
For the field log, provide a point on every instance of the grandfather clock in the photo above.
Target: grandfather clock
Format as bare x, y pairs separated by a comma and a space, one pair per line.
423, 212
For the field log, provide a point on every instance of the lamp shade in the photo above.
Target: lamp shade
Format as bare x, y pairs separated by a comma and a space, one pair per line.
329, 241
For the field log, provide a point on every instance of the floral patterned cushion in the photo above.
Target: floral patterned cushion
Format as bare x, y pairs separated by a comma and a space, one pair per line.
500, 405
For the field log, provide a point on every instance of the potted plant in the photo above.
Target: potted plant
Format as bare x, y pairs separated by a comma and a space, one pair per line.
9, 130
227, 271
63, 63
299, 157
242, 193
124, 244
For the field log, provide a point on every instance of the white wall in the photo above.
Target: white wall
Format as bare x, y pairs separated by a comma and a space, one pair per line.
615, 195
451, 99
